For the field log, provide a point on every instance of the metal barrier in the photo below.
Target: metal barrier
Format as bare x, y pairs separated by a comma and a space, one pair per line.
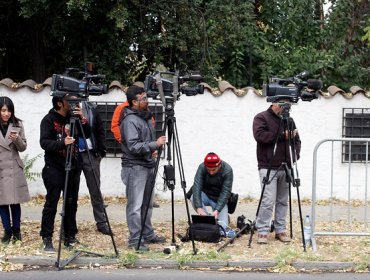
348, 150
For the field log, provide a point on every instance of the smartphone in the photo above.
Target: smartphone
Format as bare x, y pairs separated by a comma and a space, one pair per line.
14, 130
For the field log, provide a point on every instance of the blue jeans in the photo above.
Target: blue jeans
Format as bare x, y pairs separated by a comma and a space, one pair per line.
139, 183
15, 213
223, 218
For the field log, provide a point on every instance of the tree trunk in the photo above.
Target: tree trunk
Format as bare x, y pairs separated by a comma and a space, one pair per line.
37, 52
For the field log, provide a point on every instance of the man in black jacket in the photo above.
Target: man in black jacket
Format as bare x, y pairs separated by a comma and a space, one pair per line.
55, 138
91, 170
268, 129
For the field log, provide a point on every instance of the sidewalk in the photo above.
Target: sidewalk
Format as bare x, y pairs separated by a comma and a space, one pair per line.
116, 213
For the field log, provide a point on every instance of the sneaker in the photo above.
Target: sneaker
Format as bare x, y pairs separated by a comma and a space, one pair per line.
142, 247
104, 230
262, 238
48, 244
156, 239
70, 242
230, 233
283, 237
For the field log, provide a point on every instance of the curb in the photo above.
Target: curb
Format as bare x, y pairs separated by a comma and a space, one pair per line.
173, 264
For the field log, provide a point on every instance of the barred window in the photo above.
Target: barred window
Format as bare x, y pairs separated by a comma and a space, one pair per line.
106, 110
356, 124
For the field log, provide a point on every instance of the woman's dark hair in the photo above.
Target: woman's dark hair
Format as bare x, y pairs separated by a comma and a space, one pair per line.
4, 100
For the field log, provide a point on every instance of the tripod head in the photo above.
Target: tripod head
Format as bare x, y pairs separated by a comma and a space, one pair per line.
286, 106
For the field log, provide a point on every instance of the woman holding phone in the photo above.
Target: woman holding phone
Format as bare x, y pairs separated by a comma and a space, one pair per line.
13, 184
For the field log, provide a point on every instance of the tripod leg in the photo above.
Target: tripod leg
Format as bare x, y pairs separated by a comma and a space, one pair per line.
147, 200
182, 178
233, 238
173, 218
301, 220
290, 211
68, 166
294, 179
97, 186
265, 182
252, 232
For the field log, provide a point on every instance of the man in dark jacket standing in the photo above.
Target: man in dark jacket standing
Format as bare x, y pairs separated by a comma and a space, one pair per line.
55, 138
212, 187
91, 170
269, 128
139, 150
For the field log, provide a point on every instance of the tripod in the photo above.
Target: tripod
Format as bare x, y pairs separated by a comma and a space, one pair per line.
169, 170
290, 169
68, 167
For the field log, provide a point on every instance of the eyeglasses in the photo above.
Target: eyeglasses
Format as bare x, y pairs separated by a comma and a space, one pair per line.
143, 99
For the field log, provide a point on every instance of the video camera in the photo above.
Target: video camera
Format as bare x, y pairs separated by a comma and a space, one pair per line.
244, 224
78, 83
170, 90
293, 88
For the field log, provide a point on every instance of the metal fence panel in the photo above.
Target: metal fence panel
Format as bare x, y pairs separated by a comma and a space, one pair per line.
346, 230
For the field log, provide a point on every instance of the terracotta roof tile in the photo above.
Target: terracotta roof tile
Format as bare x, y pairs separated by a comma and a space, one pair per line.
7, 82
115, 84
223, 86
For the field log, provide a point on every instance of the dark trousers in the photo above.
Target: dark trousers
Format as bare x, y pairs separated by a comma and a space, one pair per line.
5, 216
94, 186
54, 181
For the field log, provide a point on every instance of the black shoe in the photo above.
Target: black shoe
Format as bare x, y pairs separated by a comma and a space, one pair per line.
7, 236
104, 230
48, 244
70, 242
142, 247
17, 234
156, 239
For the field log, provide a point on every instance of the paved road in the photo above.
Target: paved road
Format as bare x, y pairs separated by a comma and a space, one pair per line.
144, 274
159, 274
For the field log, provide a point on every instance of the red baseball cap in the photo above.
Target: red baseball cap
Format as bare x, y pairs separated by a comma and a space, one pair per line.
212, 160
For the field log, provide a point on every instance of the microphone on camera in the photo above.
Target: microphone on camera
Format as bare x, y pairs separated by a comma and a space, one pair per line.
314, 84
192, 77
67, 129
158, 82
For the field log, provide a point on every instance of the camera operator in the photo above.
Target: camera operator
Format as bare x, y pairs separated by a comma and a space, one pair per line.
139, 150
212, 187
268, 129
97, 150
55, 137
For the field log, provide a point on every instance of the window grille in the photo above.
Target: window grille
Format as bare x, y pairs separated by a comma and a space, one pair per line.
356, 124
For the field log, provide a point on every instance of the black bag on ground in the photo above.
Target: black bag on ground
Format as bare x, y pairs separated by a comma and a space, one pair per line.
232, 202
205, 232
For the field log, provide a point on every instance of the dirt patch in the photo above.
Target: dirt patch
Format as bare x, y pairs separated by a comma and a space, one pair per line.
339, 249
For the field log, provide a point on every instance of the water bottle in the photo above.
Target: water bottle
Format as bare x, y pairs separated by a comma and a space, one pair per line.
307, 230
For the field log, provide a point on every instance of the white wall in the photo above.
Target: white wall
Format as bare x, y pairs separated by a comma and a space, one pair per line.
223, 125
